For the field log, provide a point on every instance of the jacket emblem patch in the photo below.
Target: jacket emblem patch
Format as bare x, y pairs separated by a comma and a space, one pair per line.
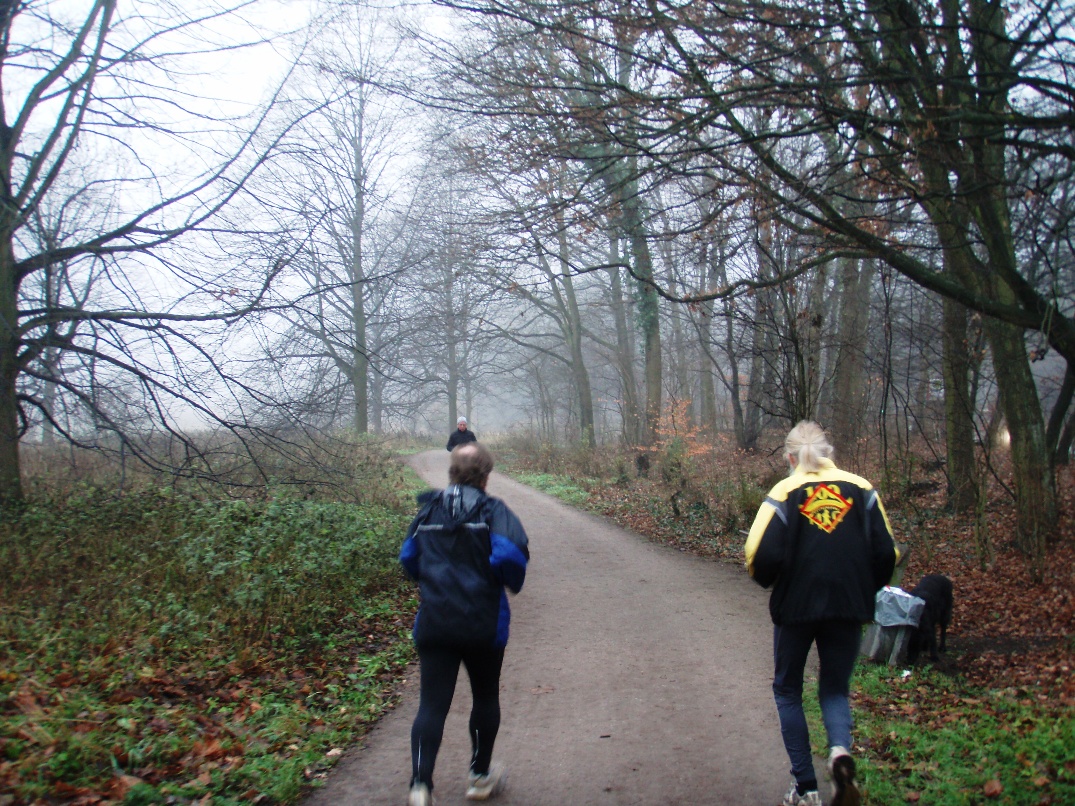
825, 507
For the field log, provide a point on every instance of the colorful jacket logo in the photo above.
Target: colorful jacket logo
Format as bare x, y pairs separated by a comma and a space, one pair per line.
825, 507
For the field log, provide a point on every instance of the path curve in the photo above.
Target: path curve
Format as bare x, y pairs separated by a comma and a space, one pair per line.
635, 674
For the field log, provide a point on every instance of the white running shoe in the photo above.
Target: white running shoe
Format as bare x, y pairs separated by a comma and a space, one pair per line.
420, 796
483, 787
793, 798
842, 770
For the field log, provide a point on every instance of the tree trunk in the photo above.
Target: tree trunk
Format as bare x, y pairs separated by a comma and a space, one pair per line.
650, 323
649, 320
1054, 430
1032, 471
707, 410
359, 356
572, 331
10, 477
845, 416
625, 353
962, 469
51, 360
452, 381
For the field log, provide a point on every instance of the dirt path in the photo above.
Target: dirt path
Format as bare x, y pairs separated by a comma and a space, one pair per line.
635, 674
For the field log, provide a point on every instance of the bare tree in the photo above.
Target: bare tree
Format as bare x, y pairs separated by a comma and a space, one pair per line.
96, 118
349, 191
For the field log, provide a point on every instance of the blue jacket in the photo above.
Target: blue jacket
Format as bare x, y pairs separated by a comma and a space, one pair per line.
463, 548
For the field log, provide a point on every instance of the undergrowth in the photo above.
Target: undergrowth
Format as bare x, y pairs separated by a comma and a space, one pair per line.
166, 646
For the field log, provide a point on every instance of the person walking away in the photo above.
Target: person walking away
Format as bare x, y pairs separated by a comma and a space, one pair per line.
822, 540
464, 548
461, 435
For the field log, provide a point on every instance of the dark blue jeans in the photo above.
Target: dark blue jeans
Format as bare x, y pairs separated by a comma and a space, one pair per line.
439, 668
837, 648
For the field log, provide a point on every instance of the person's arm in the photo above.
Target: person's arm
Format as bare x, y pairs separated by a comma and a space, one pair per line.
765, 543
883, 552
409, 556
410, 552
509, 548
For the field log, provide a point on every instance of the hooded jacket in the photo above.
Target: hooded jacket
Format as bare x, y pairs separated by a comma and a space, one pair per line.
464, 548
823, 539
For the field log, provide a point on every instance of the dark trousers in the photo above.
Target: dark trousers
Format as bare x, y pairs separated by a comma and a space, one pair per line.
837, 648
439, 668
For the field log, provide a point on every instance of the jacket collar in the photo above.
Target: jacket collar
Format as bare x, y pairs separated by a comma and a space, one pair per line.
460, 500
825, 464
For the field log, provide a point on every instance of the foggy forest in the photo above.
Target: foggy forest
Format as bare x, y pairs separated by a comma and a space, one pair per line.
249, 248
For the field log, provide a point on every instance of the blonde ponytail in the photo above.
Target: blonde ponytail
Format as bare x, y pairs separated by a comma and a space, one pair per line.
809, 445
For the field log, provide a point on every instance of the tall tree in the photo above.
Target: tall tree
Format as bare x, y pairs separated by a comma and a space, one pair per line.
91, 114
349, 189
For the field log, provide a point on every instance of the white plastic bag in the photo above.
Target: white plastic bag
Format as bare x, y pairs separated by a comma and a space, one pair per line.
895, 607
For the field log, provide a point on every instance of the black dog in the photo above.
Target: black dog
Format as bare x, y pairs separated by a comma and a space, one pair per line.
936, 591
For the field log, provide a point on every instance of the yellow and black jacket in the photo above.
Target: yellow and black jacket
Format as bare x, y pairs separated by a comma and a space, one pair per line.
825, 541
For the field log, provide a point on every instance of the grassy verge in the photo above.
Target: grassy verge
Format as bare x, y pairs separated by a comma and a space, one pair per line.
561, 487
930, 738
159, 648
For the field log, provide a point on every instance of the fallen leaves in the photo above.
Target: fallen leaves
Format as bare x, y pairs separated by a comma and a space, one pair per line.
993, 789
184, 725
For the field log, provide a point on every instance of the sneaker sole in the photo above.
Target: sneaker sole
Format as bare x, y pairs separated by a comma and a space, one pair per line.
843, 775
491, 792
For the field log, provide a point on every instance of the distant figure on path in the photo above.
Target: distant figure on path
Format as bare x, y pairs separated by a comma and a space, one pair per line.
824, 539
463, 548
461, 435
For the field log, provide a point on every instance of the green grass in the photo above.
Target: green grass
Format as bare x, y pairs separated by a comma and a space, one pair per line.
930, 739
160, 648
565, 489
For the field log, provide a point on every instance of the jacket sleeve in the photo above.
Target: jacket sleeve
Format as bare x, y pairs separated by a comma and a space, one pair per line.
884, 554
410, 552
765, 543
509, 548
409, 556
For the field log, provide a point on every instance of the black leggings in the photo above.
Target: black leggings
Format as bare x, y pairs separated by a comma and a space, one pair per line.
439, 668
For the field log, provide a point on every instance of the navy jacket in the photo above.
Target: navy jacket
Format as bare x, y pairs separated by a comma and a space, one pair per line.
823, 539
464, 548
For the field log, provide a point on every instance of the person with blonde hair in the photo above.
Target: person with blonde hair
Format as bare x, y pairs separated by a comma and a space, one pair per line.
822, 541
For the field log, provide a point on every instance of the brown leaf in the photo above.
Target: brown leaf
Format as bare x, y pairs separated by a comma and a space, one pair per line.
208, 750
64, 680
120, 785
159, 724
993, 789
26, 701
